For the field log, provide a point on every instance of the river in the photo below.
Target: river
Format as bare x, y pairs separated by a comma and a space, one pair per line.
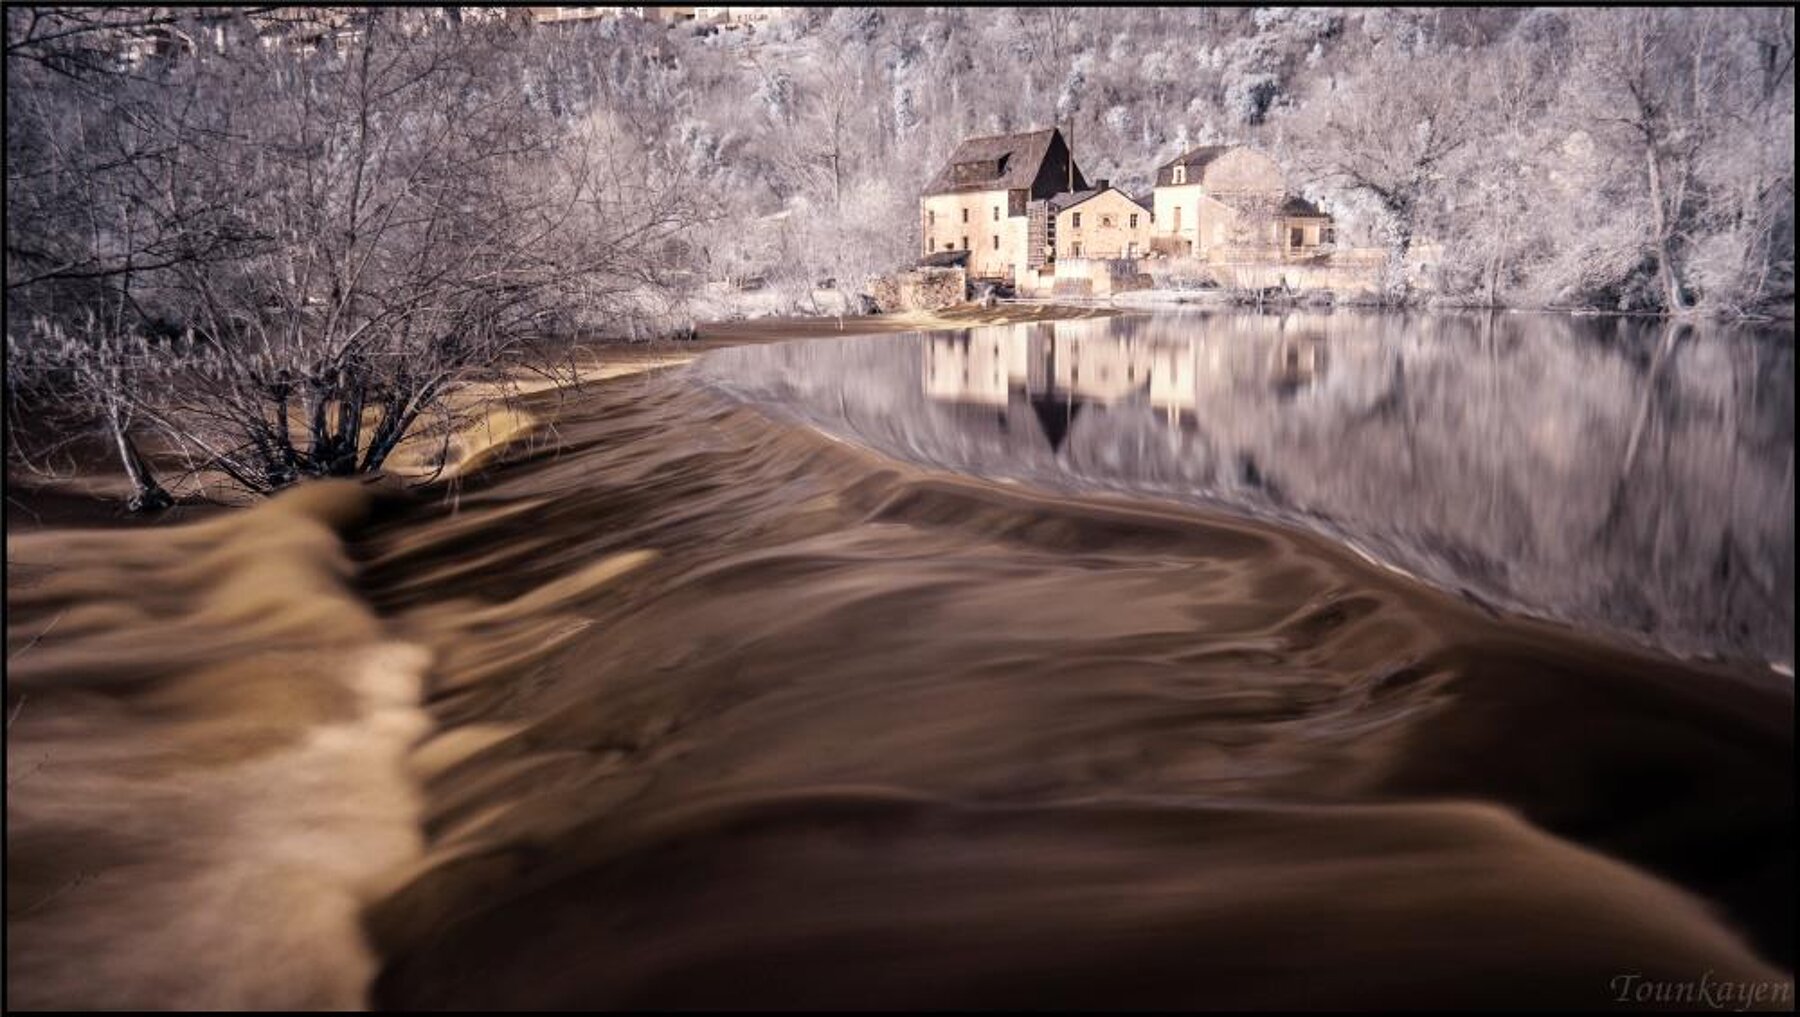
1183, 660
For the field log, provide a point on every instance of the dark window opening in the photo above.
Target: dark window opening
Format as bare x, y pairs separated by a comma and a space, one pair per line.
977, 169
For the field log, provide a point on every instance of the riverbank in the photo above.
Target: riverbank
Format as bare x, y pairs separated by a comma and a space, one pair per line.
85, 487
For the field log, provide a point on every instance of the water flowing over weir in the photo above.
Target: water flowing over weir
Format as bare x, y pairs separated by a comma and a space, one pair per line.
205, 740
727, 711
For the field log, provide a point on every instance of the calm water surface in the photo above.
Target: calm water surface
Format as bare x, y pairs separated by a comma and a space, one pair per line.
1614, 473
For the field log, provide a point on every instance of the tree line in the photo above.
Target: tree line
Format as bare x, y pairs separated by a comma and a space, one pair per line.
275, 236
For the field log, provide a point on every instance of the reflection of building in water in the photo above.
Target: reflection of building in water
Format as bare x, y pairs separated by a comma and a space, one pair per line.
1479, 452
1057, 368
1297, 363
1034, 379
973, 368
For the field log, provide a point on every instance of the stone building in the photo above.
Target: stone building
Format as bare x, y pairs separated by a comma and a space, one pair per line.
1231, 203
1015, 209
991, 199
1100, 222
733, 15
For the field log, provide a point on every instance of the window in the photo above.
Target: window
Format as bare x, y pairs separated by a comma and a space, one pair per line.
1297, 236
1077, 221
1178, 218
1328, 234
996, 241
1075, 249
1106, 222
1180, 175
1134, 220
965, 215
965, 243
996, 213
933, 244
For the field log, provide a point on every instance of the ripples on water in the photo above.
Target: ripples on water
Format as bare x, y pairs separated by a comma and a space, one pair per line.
726, 713
1612, 472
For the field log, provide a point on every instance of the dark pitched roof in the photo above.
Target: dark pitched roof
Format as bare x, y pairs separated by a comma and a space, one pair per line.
1025, 428
1195, 159
1298, 206
1069, 199
1065, 199
997, 162
1055, 416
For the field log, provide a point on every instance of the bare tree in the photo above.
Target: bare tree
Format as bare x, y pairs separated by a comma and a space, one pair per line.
1391, 136
1647, 76
1702, 100
329, 241
91, 374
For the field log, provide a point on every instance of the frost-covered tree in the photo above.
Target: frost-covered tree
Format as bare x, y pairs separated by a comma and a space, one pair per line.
282, 261
1388, 137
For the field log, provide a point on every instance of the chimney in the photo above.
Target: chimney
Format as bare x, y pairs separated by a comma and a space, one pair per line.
1069, 153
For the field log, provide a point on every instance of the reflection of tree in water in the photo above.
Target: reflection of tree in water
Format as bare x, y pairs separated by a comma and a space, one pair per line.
1704, 555
1621, 482
1600, 470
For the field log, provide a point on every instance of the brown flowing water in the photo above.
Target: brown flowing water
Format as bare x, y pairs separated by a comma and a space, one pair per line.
1194, 661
